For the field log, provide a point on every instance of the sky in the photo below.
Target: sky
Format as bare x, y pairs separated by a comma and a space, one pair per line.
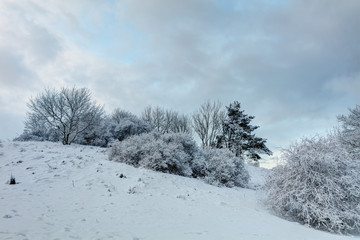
294, 65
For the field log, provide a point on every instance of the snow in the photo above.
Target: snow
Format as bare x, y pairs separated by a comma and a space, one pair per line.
75, 192
257, 176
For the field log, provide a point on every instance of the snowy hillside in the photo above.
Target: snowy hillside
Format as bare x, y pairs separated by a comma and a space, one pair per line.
74, 192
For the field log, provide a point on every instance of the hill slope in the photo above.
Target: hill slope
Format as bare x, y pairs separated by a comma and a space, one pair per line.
74, 192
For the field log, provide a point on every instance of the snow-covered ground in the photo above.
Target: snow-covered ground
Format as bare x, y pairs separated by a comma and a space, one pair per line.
74, 192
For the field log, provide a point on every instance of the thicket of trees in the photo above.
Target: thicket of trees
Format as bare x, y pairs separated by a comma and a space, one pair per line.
70, 116
166, 121
229, 129
319, 183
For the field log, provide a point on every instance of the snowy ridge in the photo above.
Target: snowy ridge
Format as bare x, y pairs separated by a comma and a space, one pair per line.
75, 192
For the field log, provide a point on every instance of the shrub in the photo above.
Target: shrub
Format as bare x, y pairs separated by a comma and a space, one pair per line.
169, 153
12, 180
318, 186
38, 135
177, 153
223, 168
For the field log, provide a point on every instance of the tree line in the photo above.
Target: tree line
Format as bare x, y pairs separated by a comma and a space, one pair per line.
71, 116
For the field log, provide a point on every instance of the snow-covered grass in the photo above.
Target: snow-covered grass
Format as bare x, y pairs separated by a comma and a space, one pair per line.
74, 192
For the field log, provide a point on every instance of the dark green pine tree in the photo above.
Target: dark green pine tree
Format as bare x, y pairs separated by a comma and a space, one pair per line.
237, 134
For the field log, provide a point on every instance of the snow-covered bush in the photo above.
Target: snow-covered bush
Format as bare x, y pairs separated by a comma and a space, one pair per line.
177, 153
223, 168
319, 185
169, 153
38, 135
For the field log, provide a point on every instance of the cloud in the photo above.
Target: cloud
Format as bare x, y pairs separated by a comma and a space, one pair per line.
348, 85
22, 33
13, 70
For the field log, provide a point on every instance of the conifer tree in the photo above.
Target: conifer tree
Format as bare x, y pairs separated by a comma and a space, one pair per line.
237, 134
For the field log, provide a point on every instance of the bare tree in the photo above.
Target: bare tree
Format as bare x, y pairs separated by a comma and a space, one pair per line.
69, 111
166, 121
182, 123
155, 117
146, 115
176, 122
207, 122
169, 118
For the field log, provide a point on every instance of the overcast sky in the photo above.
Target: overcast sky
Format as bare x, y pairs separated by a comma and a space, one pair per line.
294, 65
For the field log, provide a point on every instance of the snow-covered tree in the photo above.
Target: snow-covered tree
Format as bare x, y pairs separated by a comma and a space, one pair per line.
237, 134
207, 122
69, 112
125, 124
350, 130
319, 185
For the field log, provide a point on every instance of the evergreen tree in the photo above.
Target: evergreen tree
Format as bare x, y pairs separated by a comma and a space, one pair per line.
237, 134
